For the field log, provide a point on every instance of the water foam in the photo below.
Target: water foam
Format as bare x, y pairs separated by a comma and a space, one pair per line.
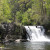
36, 34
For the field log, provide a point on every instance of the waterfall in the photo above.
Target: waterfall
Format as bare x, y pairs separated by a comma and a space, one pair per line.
36, 33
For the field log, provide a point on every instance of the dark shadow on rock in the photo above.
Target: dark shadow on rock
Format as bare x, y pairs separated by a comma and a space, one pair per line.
10, 32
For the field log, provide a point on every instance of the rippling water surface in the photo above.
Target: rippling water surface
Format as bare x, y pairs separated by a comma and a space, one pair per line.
27, 46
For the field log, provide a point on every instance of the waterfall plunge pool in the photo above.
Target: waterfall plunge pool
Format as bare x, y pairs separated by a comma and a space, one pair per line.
27, 46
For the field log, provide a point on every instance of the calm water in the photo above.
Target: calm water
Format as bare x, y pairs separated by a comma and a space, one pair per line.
27, 46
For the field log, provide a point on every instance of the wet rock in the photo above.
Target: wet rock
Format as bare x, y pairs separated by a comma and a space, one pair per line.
21, 40
10, 32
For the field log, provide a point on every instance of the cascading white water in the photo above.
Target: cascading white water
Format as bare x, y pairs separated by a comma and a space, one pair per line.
36, 33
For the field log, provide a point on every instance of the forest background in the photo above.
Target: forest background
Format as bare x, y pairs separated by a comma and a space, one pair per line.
25, 12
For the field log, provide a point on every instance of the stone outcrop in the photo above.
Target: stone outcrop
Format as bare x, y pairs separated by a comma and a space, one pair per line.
11, 32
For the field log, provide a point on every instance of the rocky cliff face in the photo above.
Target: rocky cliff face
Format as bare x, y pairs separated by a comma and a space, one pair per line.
11, 32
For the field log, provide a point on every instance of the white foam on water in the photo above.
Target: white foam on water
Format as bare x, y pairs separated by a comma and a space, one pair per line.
36, 34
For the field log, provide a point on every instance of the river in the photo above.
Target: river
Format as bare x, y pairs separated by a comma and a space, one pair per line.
38, 41
27, 46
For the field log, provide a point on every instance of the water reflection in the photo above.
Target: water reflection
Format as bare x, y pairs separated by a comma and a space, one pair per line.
27, 46
35, 46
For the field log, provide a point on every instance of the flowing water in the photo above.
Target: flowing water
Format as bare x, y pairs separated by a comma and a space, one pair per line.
36, 33
27, 46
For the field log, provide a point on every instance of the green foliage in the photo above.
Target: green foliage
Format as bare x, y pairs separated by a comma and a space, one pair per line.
5, 11
19, 16
26, 12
